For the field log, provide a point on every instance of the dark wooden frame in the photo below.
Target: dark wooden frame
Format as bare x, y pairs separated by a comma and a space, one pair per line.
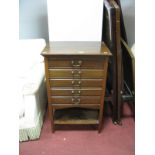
111, 36
122, 88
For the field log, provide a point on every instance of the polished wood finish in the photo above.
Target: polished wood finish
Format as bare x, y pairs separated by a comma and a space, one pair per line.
76, 78
66, 106
112, 37
76, 91
120, 71
109, 36
76, 63
76, 48
76, 73
76, 100
122, 25
75, 82
119, 61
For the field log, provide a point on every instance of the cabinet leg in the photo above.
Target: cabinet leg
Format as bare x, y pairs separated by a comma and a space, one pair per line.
115, 122
51, 114
100, 122
52, 127
99, 128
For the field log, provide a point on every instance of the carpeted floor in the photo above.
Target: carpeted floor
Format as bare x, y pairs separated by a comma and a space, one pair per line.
113, 139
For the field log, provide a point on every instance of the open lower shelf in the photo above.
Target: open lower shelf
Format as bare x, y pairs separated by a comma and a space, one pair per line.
76, 116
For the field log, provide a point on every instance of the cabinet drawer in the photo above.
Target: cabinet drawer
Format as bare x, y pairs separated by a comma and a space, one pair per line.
75, 63
75, 99
75, 82
76, 92
76, 73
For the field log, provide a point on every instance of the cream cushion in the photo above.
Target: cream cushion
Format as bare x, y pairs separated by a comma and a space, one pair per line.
30, 69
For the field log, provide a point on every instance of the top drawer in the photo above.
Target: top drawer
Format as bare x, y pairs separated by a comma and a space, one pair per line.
75, 63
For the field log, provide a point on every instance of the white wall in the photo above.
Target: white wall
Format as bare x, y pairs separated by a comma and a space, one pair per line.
75, 20
33, 19
128, 9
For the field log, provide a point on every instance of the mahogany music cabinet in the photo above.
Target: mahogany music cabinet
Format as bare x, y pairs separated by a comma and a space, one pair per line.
76, 75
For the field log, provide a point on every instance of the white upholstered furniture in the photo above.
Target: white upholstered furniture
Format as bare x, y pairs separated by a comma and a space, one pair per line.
32, 96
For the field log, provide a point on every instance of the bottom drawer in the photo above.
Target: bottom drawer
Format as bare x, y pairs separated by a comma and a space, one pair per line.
75, 99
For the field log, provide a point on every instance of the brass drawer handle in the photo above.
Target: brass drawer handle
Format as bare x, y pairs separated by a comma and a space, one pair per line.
76, 72
79, 82
76, 83
76, 100
76, 92
76, 63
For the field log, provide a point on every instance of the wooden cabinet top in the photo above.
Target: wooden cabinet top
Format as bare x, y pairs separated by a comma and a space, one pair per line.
76, 48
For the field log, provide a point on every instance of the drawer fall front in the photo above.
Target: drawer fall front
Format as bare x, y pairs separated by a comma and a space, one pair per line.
76, 73
76, 91
75, 82
75, 63
75, 100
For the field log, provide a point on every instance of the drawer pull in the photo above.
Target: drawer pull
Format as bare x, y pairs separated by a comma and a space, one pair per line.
76, 64
76, 92
76, 100
76, 72
76, 83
